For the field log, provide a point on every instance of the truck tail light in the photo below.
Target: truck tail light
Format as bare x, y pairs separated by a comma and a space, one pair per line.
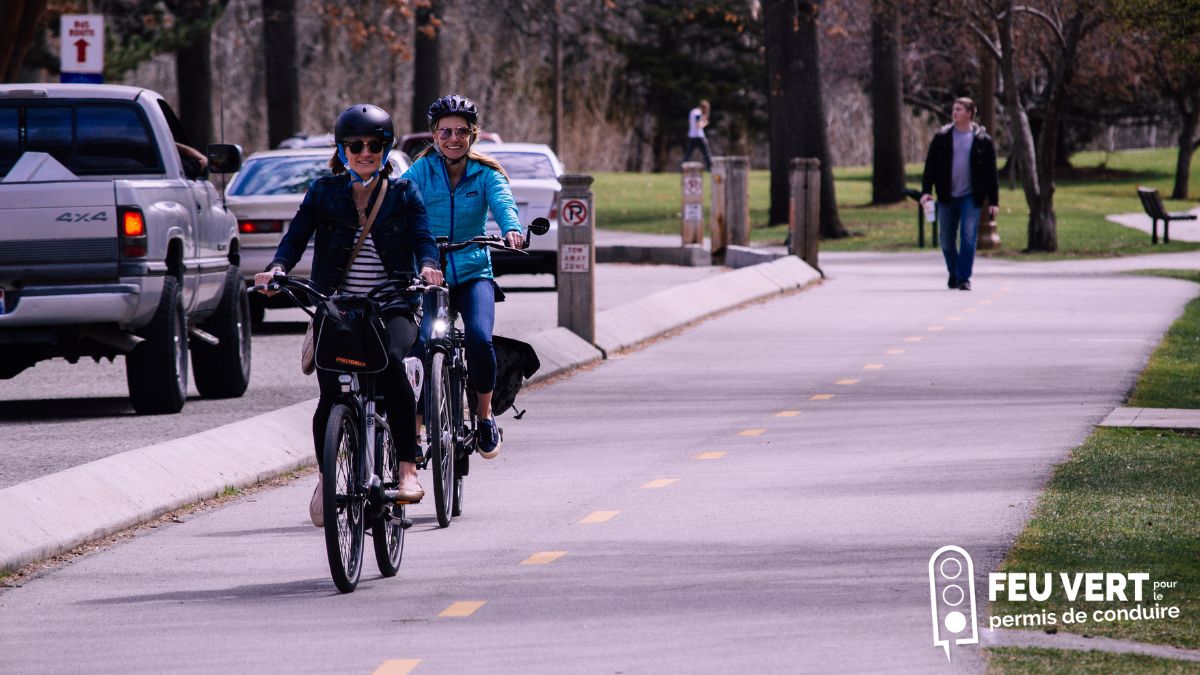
554, 208
259, 226
133, 232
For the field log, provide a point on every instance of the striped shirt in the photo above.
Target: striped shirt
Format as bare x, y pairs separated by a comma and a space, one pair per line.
366, 271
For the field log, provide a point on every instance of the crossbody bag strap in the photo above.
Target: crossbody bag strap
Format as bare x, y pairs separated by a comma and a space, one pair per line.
362, 238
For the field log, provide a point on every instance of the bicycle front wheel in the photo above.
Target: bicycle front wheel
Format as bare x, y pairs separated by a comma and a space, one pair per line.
387, 535
441, 438
343, 497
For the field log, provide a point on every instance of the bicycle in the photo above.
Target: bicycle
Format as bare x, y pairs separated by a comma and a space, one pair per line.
359, 464
450, 419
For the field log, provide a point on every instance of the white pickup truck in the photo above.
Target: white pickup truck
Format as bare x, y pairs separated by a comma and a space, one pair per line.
113, 242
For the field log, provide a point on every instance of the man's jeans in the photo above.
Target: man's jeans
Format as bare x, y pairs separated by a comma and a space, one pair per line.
959, 218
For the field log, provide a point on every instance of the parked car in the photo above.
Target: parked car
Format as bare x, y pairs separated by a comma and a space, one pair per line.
533, 170
413, 144
264, 196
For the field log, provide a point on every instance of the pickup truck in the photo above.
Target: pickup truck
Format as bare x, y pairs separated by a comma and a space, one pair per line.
114, 243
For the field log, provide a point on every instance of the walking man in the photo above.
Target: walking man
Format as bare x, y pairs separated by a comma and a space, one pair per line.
697, 120
962, 165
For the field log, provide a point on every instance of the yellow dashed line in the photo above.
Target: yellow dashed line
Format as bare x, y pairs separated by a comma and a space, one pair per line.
710, 455
463, 608
847, 381
543, 557
787, 413
984, 302
752, 432
914, 338
660, 483
600, 516
821, 397
873, 366
937, 328
893, 352
954, 318
971, 309
396, 667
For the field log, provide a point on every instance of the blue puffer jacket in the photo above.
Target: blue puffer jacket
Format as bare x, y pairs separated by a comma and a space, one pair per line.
461, 213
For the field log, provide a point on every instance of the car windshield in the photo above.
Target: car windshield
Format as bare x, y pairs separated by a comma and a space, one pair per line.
279, 175
524, 164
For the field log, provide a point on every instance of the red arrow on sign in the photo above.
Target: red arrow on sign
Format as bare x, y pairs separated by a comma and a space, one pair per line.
81, 46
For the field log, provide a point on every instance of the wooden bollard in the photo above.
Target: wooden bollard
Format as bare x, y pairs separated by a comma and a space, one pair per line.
737, 200
804, 221
719, 222
692, 227
989, 236
577, 256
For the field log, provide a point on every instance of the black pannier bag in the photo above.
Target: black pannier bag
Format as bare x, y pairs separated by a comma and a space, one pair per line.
516, 362
350, 335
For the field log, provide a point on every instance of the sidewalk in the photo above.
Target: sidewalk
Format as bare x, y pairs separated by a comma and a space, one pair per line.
55, 513
1182, 230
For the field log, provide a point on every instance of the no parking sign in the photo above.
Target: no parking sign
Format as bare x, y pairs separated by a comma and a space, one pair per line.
574, 212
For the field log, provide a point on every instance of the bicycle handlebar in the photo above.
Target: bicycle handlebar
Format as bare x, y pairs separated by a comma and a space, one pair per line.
282, 282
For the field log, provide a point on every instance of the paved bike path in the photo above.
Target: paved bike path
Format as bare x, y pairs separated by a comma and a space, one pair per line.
761, 493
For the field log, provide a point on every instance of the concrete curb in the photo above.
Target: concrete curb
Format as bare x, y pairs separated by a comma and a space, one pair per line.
692, 255
56, 513
622, 327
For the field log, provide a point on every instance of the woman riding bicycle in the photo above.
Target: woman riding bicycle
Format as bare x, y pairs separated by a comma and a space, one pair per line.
460, 186
335, 208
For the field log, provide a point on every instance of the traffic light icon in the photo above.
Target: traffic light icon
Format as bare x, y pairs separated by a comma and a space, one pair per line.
952, 598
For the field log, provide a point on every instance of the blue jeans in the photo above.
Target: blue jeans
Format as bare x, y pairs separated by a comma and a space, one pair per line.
475, 301
959, 218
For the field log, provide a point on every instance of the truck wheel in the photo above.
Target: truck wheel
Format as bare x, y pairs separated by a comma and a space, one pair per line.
157, 368
223, 370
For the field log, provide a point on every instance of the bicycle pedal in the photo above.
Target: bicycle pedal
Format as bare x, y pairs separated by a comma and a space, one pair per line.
406, 523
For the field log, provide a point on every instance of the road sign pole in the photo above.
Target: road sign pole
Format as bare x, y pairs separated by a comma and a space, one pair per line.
577, 256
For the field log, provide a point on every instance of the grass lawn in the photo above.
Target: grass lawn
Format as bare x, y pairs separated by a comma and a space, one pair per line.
1127, 500
1100, 184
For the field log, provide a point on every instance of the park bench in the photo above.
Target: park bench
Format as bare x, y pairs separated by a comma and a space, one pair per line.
1154, 208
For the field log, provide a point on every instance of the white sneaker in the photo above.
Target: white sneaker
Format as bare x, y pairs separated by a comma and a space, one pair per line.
316, 505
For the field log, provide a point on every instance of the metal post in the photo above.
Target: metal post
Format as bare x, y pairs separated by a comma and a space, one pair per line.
692, 229
805, 221
577, 256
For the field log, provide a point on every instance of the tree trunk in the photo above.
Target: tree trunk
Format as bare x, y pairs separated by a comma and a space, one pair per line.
557, 121
1022, 135
806, 111
427, 65
1189, 108
20, 23
193, 72
777, 21
987, 91
887, 177
283, 88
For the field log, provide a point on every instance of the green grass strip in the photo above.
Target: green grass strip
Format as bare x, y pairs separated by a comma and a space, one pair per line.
1172, 378
1038, 661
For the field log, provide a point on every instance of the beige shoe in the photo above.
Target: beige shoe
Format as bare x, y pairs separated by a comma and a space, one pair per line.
410, 491
316, 505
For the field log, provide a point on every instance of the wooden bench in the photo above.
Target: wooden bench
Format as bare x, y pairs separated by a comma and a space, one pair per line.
1154, 208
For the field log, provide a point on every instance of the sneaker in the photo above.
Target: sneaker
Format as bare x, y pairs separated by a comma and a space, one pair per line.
316, 504
964, 285
952, 283
487, 437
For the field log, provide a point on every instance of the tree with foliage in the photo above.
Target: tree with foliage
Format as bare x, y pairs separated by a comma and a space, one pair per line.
797, 112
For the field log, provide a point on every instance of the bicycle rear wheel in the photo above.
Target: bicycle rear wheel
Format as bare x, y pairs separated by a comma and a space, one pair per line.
441, 438
386, 533
343, 498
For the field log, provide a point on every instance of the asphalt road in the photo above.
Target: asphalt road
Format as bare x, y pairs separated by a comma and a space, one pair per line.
761, 493
57, 415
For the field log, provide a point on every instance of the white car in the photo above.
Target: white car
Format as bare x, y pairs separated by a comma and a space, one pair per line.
533, 170
265, 195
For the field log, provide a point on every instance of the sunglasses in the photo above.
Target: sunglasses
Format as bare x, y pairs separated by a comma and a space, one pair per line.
355, 147
446, 132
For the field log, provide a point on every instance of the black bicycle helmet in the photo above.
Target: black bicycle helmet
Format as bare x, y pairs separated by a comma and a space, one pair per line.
364, 119
452, 105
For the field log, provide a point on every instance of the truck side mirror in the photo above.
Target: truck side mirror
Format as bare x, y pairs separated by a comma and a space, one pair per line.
224, 157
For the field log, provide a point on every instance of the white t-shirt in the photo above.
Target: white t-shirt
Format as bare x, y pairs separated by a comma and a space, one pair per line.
694, 128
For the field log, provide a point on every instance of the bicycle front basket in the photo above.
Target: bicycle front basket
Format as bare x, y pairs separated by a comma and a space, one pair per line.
351, 337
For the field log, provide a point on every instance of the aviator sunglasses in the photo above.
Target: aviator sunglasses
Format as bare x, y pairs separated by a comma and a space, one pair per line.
355, 147
446, 132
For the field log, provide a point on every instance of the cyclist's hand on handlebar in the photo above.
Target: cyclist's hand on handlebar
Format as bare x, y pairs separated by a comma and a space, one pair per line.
432, 276
514, 239
265, 278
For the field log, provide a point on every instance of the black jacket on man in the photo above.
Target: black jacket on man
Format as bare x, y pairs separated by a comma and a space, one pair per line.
985, 182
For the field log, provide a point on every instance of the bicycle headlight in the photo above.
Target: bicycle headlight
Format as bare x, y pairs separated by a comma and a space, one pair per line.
439, 327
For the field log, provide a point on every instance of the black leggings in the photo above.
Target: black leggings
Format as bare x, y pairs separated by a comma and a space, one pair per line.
398, 397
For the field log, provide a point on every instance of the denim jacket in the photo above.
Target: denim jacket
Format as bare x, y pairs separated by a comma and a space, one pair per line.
461, 213
401, 231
